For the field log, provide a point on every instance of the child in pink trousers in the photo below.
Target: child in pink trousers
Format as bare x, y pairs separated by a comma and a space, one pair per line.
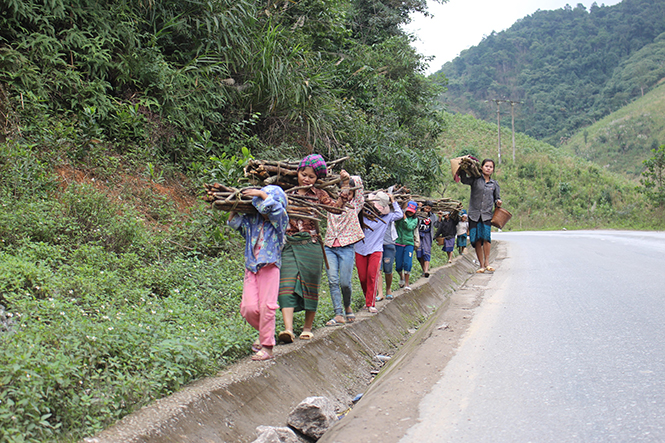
265, 234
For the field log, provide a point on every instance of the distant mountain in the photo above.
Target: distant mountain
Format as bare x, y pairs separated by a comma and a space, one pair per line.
569, 67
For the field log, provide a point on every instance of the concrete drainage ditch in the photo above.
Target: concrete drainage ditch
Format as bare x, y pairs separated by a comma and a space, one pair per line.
339, 363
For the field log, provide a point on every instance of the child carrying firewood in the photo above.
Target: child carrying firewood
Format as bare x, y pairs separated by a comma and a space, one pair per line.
370, 250
404, 245
303, 254
265, 234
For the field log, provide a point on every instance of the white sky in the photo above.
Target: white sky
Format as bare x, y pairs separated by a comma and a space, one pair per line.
460, 24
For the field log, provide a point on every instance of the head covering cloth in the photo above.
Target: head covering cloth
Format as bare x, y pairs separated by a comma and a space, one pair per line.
317, 163
381, 202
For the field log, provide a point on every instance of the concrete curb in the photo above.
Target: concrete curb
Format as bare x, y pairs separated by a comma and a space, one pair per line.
337, 364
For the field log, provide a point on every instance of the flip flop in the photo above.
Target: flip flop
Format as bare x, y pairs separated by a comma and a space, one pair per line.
262, 356
372, 310
489, 269
333, 322
286, 336
350, 317
306, 335
389, 296
256, 347
480, 271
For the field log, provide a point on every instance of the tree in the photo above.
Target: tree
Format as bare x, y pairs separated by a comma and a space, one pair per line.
653, 178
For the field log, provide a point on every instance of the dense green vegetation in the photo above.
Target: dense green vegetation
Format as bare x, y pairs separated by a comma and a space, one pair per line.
570, 67
545, 188
188, 80
653, 177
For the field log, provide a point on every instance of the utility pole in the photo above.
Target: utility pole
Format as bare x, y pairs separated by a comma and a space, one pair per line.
512, 117
498, 102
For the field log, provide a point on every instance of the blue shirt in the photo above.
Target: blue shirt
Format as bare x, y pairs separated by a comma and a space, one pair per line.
373, 241
264, 239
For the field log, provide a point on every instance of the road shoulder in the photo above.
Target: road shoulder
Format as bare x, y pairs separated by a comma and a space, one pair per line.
390, 405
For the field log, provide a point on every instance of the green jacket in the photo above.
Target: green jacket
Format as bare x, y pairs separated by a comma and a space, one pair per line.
405, 228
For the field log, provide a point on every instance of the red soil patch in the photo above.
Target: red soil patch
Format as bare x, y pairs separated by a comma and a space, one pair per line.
173, 189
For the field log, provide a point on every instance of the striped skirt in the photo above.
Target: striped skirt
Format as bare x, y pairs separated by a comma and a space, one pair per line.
300, 273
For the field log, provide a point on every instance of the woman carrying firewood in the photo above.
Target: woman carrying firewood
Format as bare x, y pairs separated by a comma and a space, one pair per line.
303, 256
485, 195
342, 234
264, 235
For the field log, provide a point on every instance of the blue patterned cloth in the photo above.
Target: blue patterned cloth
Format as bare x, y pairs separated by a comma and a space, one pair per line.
479, 232
264, 239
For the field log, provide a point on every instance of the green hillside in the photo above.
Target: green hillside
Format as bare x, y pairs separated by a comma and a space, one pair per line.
569, 67
545, 188
621, 141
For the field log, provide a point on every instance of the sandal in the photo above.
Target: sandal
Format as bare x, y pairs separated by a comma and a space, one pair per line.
480, 271
372, 310
286, 336
389, 296
262, 356
489, 269
306, 335
350, 317
256, 346
333, 322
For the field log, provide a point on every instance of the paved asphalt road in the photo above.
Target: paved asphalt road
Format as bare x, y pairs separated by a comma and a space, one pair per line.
569, 346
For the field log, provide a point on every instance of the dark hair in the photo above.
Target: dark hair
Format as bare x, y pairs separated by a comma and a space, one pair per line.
488, 160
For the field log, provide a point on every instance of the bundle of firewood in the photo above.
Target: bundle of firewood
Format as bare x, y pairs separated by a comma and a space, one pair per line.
439, 205
285, 174
227, 198
470, 166
402, 196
